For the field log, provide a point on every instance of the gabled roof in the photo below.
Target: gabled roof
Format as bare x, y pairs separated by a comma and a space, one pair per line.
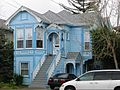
63, 17
39, 17
55, 18
73, 56
79, 19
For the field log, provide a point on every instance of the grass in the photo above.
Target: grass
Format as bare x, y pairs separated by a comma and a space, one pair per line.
9, 86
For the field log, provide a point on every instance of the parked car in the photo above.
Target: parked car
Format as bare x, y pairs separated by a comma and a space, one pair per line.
95, 80
60, 78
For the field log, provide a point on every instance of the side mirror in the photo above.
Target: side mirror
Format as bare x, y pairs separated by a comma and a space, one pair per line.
78, 79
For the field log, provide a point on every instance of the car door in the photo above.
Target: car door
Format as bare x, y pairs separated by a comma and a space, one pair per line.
93, 81
115, 75
101, 81
85, 82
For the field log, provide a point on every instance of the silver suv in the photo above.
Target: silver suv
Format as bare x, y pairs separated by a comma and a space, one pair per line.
95, 80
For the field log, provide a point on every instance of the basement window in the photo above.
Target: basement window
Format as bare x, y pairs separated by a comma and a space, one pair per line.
24, 69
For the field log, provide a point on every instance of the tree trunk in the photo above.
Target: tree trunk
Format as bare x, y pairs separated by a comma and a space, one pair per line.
114, 57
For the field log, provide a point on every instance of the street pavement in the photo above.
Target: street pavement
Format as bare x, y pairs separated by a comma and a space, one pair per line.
31, 89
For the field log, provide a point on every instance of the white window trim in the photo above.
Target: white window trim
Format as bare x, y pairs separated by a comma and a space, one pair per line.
87, 40
19, 39
28, 69
38, 39
26, 37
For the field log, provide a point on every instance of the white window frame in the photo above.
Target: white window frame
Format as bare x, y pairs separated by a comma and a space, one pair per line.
86, 39
28, 36
24, 69
19, 37
40, 38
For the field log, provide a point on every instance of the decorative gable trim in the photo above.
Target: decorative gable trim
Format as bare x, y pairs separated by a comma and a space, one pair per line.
22, 8
55, 25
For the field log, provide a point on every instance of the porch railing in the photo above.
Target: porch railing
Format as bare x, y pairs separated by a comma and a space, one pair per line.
37, 68
53, 65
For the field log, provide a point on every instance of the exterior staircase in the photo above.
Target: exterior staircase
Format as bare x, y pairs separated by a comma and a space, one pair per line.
40, 80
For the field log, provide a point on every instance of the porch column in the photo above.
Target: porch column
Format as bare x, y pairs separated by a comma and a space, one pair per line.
74, 68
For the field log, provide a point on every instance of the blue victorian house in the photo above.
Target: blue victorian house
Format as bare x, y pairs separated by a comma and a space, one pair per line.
49, 43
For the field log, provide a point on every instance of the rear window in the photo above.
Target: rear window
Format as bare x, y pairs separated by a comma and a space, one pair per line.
60, 76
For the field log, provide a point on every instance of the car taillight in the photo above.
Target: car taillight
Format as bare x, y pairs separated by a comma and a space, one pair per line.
62, 81
50, 80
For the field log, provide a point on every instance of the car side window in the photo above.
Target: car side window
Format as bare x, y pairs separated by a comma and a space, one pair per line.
102, 76
115, 75
87, 77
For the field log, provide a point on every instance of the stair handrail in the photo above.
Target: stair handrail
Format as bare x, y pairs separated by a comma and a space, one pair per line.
37, 68
53, 65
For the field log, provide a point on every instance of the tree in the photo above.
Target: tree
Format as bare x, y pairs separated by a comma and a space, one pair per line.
6, 57
81, 6
105, 43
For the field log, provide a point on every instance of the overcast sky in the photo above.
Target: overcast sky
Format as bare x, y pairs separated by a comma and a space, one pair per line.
8, 7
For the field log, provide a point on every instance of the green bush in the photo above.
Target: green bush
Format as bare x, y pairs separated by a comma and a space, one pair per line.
18, 79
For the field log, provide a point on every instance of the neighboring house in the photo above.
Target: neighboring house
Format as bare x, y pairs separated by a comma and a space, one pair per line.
49, 43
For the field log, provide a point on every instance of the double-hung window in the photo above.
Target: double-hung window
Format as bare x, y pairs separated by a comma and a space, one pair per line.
39, 38
24, 69
28, 37
20, 37
87, 40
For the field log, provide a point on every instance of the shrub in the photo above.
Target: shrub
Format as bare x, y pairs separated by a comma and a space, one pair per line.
18, 79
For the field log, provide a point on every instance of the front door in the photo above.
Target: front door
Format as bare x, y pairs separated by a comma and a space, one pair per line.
53, 44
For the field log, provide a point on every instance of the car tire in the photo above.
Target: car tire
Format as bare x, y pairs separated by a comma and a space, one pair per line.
117, 88
52, 87
70, 88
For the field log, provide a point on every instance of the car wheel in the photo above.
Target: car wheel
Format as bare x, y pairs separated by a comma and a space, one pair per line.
52, 87
70, 88
117, 88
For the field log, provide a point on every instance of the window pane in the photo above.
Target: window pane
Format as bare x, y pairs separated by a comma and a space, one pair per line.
28, 37
87, 40
39, 34
20, 44
28, 33
24, 68
39, 44
28, 43
19, 37
19, 33
24, 72
39, 38
115, 75
87, 45
87, 36
102, 76
86, 77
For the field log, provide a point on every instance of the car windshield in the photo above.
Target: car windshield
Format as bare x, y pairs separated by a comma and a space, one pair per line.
60, 76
